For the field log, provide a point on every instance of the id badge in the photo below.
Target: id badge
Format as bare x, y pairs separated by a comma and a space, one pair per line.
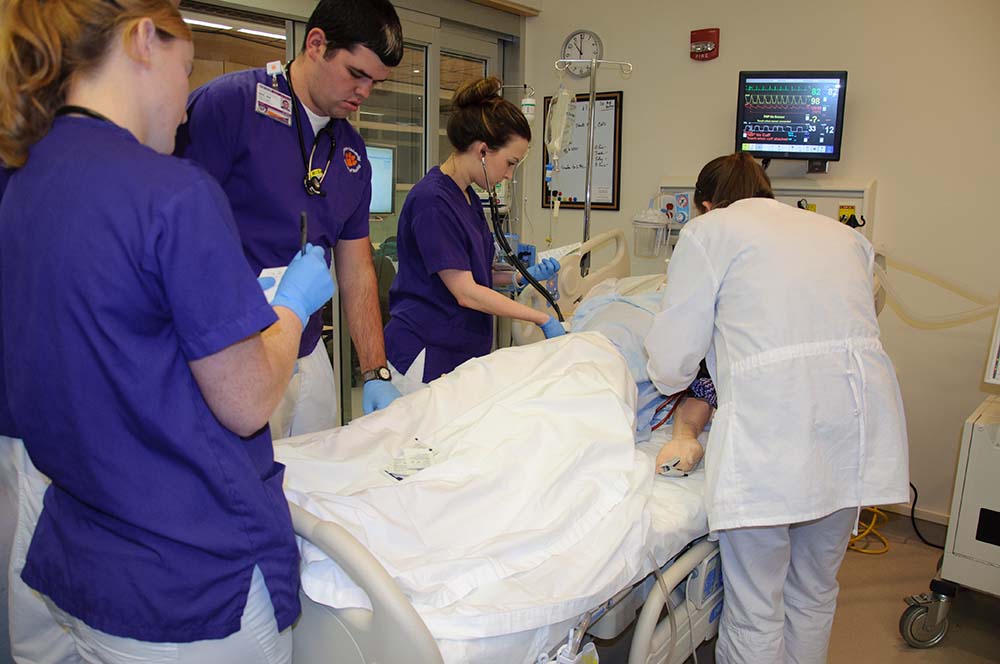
274, 104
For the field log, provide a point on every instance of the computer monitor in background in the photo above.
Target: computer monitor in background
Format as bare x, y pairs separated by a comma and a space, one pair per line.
791, 114
383, 161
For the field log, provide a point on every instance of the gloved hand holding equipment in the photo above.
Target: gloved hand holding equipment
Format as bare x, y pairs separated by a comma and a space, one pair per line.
552, 328
542, 271
306, 285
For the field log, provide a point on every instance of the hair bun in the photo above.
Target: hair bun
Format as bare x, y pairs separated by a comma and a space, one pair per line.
476, 92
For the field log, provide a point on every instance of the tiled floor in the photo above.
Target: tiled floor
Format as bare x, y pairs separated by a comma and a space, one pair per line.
872, 587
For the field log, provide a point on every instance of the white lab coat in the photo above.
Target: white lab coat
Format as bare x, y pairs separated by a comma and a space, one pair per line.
810, 417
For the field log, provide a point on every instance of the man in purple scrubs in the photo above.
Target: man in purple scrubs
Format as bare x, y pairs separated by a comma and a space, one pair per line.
280, 145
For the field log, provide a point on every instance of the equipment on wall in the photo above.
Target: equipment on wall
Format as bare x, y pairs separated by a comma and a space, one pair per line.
993, 362
705, 44
527, 100
651, 227
791, 115
587, 43
579, 50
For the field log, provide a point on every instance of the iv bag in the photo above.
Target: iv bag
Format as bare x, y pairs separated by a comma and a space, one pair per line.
559, 123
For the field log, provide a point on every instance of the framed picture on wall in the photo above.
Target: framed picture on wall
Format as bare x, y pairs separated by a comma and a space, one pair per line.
569, 184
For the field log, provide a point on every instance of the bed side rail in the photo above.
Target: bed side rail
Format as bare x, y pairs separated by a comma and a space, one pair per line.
391, 633
645, 625
572, 284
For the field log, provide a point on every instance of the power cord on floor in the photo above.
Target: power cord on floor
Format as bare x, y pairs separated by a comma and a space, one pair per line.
913, 520
859, 542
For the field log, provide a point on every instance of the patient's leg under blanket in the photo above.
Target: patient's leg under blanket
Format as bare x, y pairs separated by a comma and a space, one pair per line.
534, 446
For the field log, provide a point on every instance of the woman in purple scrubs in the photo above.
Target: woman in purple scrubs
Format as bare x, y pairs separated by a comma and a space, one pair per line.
442, 302
141, 360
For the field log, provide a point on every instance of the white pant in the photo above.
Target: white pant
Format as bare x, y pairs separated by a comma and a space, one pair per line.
781, 590
40, 633
413, 379
257, 642
310, 400
35, 637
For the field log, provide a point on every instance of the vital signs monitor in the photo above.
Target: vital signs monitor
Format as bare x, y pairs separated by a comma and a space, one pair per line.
791, 114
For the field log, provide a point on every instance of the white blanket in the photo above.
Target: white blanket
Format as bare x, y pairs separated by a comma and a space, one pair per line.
535, 459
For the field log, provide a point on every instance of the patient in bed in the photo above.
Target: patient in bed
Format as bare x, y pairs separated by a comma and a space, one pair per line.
624, 316
537, 504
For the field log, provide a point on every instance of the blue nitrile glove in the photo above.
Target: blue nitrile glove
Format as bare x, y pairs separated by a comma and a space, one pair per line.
265, 282
306, 285
542, 271
552, 328
378, 394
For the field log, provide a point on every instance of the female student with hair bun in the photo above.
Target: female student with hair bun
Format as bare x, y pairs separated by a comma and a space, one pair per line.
140, 359
442, 302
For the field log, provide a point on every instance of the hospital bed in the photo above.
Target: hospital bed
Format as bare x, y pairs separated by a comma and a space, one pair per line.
573, 285
392, 632
687, 568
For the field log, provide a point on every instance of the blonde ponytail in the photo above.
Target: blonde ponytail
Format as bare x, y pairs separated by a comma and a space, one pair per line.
44, 44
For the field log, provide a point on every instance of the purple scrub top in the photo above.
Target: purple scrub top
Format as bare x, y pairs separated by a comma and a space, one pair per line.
438, 230
118, 267
258, 162
6, 420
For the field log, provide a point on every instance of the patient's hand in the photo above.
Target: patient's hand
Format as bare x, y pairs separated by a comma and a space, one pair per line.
688, 450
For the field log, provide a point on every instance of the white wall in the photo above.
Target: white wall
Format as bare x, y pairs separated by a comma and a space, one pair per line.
923, 96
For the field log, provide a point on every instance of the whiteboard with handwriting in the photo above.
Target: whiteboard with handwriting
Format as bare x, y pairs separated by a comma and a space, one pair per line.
570, 182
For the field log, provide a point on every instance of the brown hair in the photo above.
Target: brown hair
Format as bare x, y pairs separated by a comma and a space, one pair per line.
727, 179
479, 113
373, 24
44, 44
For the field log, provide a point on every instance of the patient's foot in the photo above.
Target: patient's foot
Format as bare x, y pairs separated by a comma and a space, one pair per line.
688, 450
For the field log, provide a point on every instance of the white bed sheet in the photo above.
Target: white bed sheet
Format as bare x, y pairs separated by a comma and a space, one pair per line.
514, 597
534, 444
676, 517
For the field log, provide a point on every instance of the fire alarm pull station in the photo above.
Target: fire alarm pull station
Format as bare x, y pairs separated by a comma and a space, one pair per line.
705, 44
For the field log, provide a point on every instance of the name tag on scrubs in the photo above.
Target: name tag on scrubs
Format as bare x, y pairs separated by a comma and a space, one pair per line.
274, 104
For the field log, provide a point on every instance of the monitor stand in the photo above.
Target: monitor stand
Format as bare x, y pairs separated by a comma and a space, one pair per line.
817, 166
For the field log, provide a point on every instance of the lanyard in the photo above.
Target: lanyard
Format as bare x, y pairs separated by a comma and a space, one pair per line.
313, 180
70, 109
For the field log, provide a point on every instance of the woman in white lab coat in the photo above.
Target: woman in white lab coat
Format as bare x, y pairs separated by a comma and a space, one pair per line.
810, 421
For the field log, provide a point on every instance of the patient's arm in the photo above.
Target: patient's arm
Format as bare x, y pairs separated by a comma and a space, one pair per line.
690, 419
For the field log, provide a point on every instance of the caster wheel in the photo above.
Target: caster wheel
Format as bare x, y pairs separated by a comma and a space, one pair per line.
915, 630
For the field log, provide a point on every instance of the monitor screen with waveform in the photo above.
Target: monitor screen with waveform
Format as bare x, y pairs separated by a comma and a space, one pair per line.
791, 114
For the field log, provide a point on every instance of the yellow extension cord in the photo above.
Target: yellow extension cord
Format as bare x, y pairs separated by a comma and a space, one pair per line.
879, 518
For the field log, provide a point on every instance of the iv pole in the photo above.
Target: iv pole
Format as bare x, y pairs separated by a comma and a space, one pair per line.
626, 70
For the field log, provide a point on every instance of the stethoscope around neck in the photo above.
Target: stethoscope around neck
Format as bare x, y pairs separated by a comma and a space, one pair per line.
501, 239
313, 180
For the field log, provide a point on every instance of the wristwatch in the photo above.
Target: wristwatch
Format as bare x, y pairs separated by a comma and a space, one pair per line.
378, 373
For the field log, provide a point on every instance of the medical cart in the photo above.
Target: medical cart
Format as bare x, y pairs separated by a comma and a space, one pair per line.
972, 548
